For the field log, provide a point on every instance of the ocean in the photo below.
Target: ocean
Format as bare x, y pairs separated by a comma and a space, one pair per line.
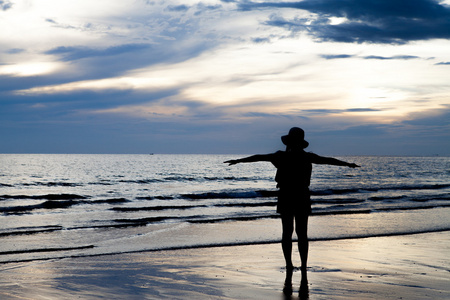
56, 206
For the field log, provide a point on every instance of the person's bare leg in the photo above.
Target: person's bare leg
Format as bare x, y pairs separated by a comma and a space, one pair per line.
286, 239
301, 228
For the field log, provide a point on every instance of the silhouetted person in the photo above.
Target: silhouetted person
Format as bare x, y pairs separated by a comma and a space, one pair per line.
293, 178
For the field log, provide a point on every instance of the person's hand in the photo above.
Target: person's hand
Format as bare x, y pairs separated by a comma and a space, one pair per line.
231, 162
353, 165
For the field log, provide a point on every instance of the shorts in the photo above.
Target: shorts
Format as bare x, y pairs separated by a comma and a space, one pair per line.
295, 202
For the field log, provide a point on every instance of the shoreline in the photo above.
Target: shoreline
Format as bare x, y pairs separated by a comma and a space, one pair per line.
413, 266
193, 247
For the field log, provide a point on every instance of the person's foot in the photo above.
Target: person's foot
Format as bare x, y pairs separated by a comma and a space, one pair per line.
290, 267
303, 292
287, 290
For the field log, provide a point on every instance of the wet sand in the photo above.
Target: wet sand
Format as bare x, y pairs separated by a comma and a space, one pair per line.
397, 267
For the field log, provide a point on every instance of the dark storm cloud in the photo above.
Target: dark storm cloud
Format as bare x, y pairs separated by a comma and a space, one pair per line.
381, 21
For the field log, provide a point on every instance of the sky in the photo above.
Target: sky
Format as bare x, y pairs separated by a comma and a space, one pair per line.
224, 77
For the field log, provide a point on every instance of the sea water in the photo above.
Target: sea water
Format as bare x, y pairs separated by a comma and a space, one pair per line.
56, 206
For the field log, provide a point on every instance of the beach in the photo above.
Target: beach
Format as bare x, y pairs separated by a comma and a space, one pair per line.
413, 266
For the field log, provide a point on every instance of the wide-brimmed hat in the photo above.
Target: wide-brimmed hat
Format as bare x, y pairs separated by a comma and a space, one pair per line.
295, 136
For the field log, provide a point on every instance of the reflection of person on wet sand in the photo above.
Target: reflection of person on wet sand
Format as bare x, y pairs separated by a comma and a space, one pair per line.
293, 177
303, 291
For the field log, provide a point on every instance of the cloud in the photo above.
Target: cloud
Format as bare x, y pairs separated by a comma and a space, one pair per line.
77, 106
336, 56
15, 51
11, 83
75, 53
444, 63
67, 26
267, 116
157, 33
376, 57
337, 111
203, 77
178, 8
424, 133
362, 131
5, 5
381, 21
404, 57
435, 118
203, 6
260, 40
362, 110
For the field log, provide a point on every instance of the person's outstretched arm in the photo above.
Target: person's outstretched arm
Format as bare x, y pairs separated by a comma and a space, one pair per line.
333, 161
253, 158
